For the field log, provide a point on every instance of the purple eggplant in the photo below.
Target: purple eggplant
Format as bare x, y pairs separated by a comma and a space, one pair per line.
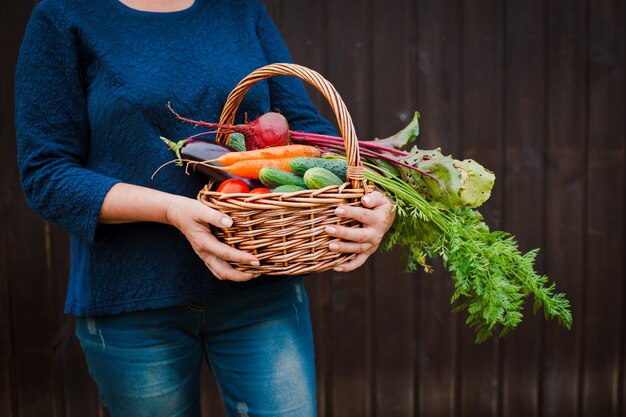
204, 151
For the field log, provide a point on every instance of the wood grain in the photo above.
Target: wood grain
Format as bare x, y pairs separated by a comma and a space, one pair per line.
479, 377
439, 92
349, 37
394, 325
565, 191
534, 90
523, 186
605, 209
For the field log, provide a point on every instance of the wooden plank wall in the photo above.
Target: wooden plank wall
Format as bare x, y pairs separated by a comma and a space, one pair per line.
533, 89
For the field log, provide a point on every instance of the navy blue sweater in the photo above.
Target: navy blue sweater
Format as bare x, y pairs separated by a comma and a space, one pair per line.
92, 82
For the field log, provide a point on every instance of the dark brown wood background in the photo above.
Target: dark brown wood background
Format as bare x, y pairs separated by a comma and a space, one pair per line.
534, 89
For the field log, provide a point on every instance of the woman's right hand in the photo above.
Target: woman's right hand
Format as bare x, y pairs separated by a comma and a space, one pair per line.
192, 218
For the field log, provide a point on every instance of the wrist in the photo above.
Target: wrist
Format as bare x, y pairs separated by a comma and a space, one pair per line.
126, 203
174, 208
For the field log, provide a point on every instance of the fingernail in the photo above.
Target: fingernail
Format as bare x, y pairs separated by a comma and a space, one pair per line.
227, 221
340, 211
330, 230
367, 200
255, 263
333, 246
338, 269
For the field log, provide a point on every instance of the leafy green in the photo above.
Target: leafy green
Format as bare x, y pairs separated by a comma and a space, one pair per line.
403, 138
477, 183
452, 183
491, 276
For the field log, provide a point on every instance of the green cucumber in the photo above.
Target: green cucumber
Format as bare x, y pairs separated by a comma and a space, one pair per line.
318, 177
273, 177
287, 189
302, 164
237, 142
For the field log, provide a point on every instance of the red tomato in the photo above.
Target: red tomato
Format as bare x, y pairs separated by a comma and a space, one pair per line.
260, 190
232, 186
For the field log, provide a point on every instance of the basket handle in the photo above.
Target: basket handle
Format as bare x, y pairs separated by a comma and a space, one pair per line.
346, 127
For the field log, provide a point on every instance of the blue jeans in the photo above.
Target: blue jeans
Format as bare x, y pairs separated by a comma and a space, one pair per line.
258, 342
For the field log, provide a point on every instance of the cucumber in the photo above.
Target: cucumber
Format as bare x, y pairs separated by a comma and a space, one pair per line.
318, 177
237, 142
302, 164
287, 189
273, 177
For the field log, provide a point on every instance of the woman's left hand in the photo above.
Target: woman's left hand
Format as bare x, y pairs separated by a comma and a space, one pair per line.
376, 218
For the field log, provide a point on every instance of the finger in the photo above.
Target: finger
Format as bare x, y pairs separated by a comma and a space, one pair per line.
374, 199
364, 215
353, 264
350, 247
354, 234
224, 271
214, 247
214, 217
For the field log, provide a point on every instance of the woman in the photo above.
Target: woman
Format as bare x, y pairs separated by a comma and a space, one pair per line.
149, 299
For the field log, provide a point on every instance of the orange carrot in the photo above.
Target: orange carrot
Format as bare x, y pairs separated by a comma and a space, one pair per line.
288, 151
251, 168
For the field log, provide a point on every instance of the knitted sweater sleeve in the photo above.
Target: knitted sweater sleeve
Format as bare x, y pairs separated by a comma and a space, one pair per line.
53, 130
287, 94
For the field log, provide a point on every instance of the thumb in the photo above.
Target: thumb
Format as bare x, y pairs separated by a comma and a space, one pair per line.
373, 199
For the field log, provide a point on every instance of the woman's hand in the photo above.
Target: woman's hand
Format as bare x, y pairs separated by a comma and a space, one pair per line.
377, 218
191, 218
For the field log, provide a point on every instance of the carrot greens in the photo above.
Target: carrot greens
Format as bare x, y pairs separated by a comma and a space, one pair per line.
491, 276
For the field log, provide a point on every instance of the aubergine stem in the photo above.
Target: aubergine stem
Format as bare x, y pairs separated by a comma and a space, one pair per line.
176, 147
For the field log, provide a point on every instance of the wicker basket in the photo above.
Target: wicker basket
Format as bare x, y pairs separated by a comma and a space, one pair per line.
286, 231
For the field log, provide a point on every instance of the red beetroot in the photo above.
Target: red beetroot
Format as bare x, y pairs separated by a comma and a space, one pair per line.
269, 130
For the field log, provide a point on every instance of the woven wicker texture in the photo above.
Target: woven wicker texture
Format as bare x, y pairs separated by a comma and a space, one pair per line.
286, 231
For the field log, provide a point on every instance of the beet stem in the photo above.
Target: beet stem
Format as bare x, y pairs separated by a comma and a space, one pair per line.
195, 137
222, 128
364, 144
369, 153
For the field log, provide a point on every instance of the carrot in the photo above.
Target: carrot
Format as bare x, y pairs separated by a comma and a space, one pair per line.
289, 151
252, 167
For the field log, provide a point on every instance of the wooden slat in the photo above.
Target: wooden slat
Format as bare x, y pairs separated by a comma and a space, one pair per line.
6, 338
605, 208
392, 106
525, 131
6, 323
59, 267
7, 374
481, 125
211, 403
63, 325
56, 281
348, 55
302, 25
439, 98
11, 17
30, 290
31, 306
319, 287
564, 196
80, 395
